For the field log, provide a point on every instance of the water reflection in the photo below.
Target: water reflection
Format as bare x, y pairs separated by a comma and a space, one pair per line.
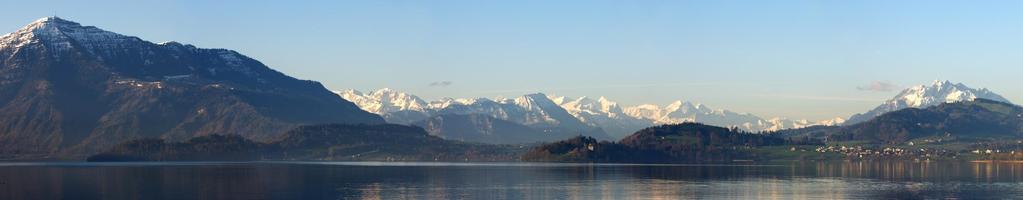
825, 180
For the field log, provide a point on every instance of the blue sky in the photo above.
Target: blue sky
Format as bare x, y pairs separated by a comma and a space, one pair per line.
796, 59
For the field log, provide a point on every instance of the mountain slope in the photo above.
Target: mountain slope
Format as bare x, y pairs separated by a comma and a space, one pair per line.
978, 119
485, 129
388, 142
924, 96
68, 89
605, 114
396, 107
385, 142
676, 143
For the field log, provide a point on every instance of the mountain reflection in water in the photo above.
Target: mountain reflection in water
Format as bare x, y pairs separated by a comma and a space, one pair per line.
369, 180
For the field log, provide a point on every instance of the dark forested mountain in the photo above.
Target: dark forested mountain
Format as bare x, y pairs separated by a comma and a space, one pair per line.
209, 147
386, 142
485, 129
68, 89
588, 149
977, 119
677, 143
695, 136
382, 142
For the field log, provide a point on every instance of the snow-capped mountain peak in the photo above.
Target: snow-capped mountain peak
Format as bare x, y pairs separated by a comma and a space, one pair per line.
558, 99
533, 101
941, 92
644, 111
587, 109
922, 96
446, 102
599, 106
59, 36
384, 100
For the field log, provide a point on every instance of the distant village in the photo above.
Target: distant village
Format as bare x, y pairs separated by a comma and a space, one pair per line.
917, 154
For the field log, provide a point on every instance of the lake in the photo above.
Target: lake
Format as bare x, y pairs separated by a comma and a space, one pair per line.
383, 180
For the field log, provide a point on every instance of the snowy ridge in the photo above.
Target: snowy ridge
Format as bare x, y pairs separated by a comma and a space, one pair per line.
57, 37
540, 110
61, 36
534, 110
603, 113
683, 111
385, 101
618, 120
923, 96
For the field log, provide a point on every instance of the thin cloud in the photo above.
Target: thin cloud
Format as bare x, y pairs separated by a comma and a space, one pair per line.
440, 84
878, 86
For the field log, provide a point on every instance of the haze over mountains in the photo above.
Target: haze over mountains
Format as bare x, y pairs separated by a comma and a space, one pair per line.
68, 89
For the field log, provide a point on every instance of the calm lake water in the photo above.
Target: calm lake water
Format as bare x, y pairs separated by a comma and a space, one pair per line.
373, 180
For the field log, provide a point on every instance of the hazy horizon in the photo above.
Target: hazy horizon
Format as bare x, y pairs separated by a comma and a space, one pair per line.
799, 59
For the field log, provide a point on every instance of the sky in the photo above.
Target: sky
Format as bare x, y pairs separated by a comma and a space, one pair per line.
794, 59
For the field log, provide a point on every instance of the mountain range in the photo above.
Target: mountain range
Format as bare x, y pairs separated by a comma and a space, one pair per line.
619, 121
536, 111
71, 90
946, 131
582, 113
953, 130
68, 90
